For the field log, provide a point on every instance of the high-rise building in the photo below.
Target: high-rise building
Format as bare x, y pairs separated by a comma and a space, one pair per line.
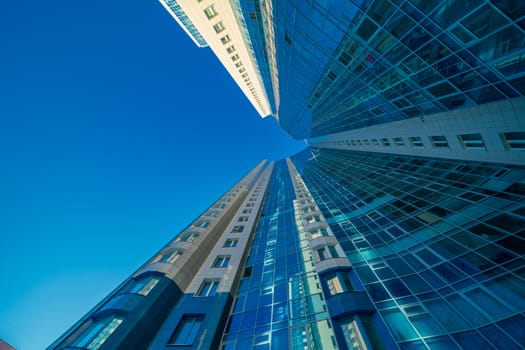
401, 226
337, 65
334, 249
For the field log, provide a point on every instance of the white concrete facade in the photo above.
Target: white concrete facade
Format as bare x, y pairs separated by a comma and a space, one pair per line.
217, 23
490, 121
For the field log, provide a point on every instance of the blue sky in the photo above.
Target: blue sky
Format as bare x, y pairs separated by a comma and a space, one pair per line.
115, 132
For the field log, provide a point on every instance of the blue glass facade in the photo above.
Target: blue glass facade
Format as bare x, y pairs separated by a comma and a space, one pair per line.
339, 249
348, 250
350, 64
250, 13
438, 244
275, 306
186, 22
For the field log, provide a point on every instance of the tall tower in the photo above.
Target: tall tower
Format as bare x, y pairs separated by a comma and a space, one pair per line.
249, 272
400, 227
332, 66
187, 283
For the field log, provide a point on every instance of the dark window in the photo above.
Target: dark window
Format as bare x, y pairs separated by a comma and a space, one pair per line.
208, 288
238, 228
222, 261
187, 330
230, 243
439, 141
514, 140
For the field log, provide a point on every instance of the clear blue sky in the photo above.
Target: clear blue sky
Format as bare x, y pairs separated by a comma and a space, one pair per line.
115, 132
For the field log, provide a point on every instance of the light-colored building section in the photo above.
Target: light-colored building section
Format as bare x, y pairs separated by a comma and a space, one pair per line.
227, 257
217, 23
492, 132
182, 258
325, 248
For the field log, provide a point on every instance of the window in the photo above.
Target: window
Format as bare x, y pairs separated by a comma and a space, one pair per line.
339, 282
170, 257
204, 224
222, 261
230, 243
246, 211
238, 229
243, 219
385, 142
97, 333
472, 141
235, 57
313, 219
322, 254
439, 141
327, 252
145, 285
230, 49
208, 288
514, 141
375, 142
352, 334
319, 233
415, 141
332, 251
225, 39
187, 330
210, 11
398, 141
189, 237
219, 27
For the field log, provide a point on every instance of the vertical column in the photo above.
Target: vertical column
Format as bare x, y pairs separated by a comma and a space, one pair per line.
349, 306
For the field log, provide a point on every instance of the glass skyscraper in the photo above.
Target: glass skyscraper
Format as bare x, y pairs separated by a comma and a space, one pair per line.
401, 226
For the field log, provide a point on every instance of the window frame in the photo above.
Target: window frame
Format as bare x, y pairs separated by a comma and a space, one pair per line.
208, 288
221, 261
190, 334
238, 229
231, 243
144, 286
339, 282
439, 141
98, 332
472, 141
210, 11
514, 141
169, 257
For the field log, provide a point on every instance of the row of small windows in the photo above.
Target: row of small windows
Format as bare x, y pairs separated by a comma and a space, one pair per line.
219, 27
187, 329
222, 261
513, 141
